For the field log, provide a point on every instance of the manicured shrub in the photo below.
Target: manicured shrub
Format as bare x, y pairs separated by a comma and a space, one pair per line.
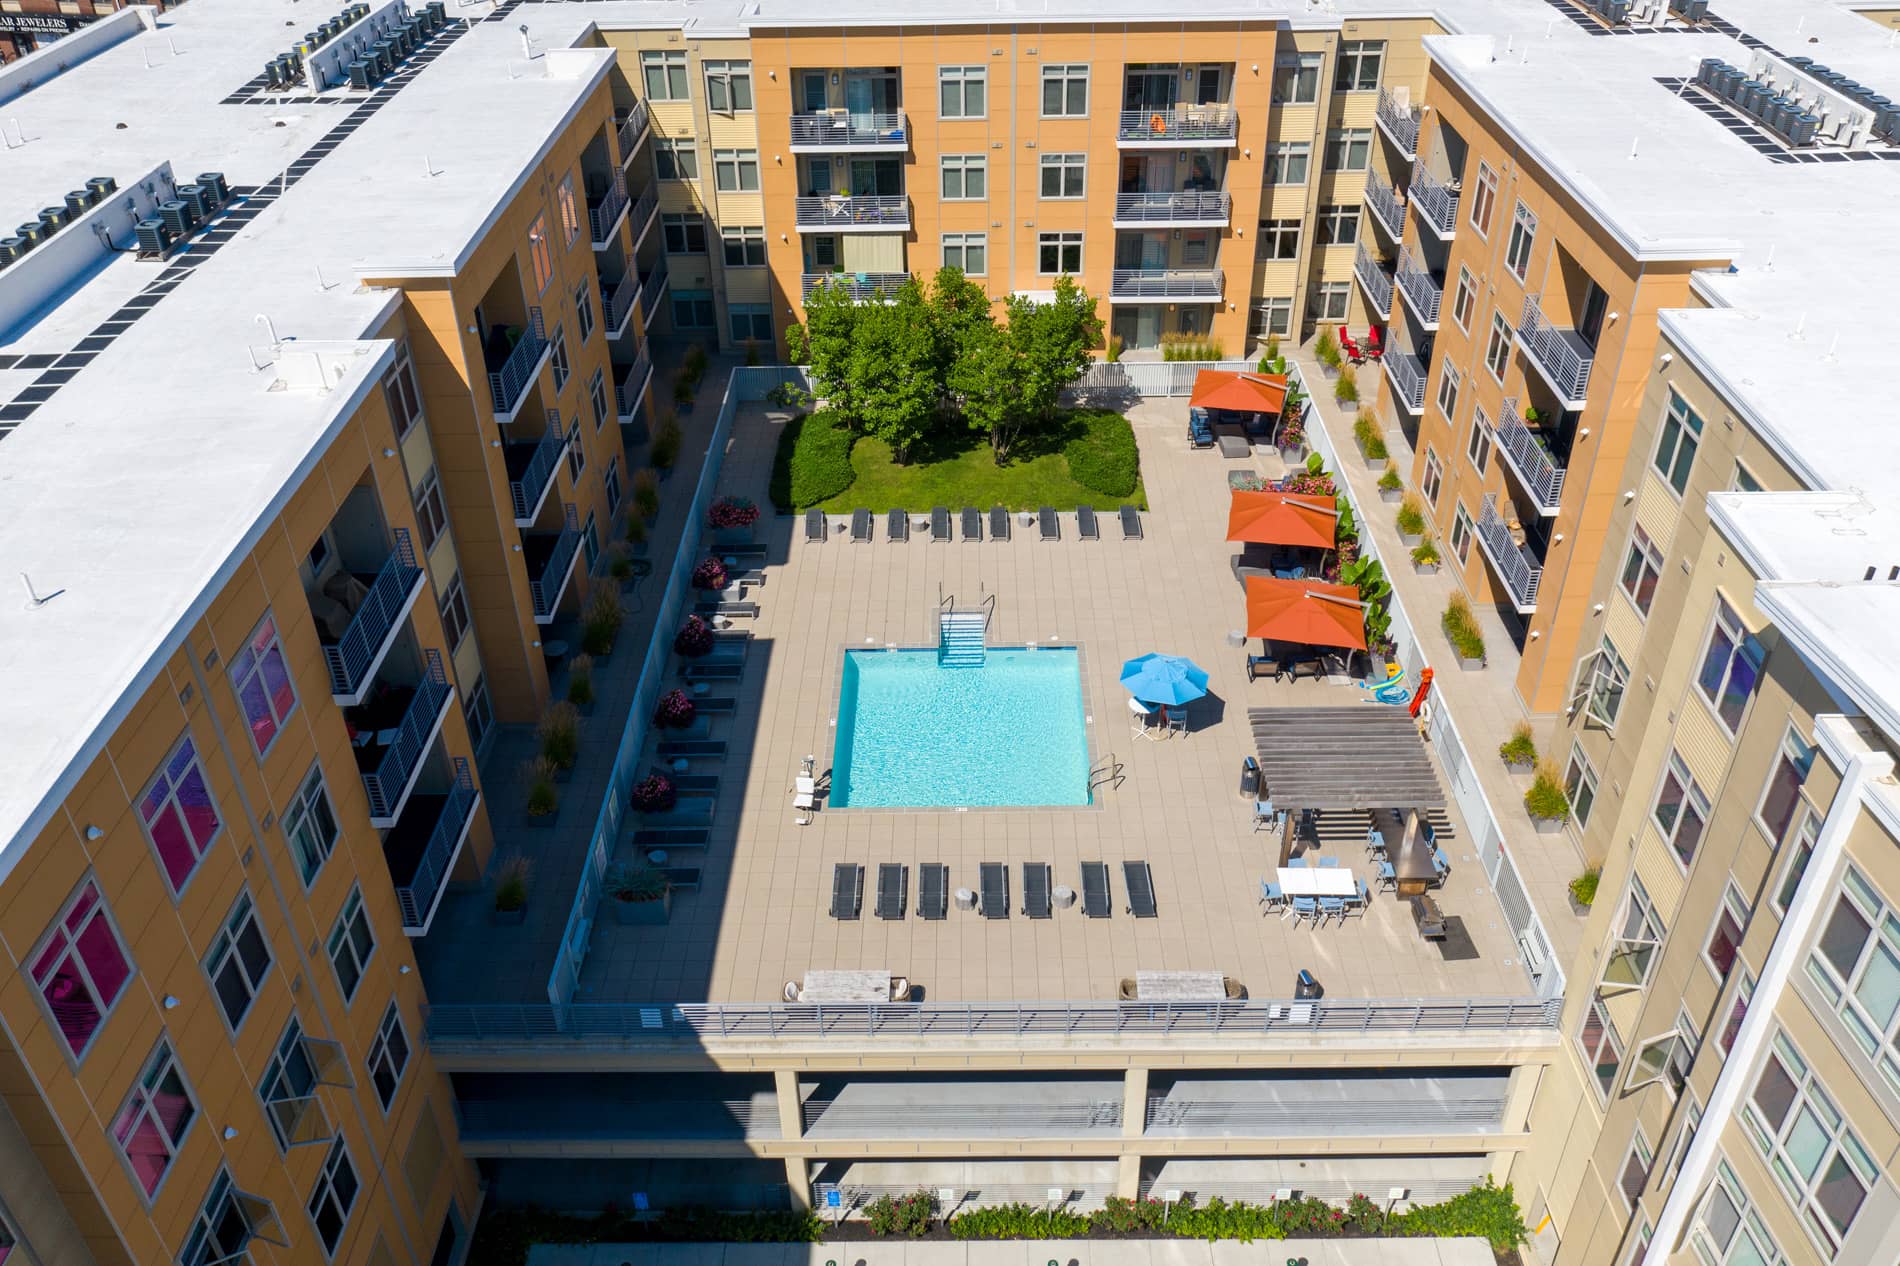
646, 496
1488, 1210
733, 512
676, 710
1346, 386
1018, 1222
542, 798
1583, 889
560, 735
908, 1216
580, 680
666, 443
1425, 553
1461, 628
511, 887
1389, 480
1546, 798
1326, 348
600, 623
1102, 455
813, 463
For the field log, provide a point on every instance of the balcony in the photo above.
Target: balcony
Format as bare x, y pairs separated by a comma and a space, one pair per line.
1559, 355
1407, 374
635, 127
1436, 203
531, 466
617, 299
868, 213
1165, 285
1374, 280
645, 213
354, 658
422, 847
632, 387
1422, 291
882, 133
1530, 459
1399, 123
512, 368
389, 756
1387, 207
550, 559
652, 286
605, 211
860, 287
1515, 565
1186, 208
1174, 126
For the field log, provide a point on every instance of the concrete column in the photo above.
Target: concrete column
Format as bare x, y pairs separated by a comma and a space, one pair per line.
798, 1183
791, 1114
1518, 1097
1134, 1103
1128, 1177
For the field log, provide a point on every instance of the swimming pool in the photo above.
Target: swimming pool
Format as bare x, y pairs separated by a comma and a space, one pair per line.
914, 735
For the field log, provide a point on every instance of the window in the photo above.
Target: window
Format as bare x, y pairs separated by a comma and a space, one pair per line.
1270, 316
1821, 1165
334, 1195
1639, 1243
692, 309
728, 86
1730, 667
1296, 79
1682, 811
1497, 347
1278, 239
432, 519
1676, 446
238, 961
1484, 199
352, 942
153, 1121
1580, 785
590, 542
558, 358
1348, 149
288, 1090
1727, 1231
744, 246
1065, 92
966, 177
1800, 849
584, 308
1448, 405
1602, 679
1059, 253
1666, 1057
454, 608
264, 691
1360, 62
81, 968
736, 170
684, 232
1635, 1175
1478, 446
1782, 797
1197, 245
177, 810
1433, 480
226, 1224
1286, 164
1685, 1134
1463, 299
1635, 941
478, 713
1338, 225
1330, 299
1725, 938
1517, 253
388, 1056
961, 92
564, 206
610, 483
539, 256
968, 251
576, 455
597, 398
310, 822
750, 322
400, 392
1601, 1049
665, 74
676, 158
1642, 570
1743, 481
1738, 1010
1856, 962
1461, 533
1064, 175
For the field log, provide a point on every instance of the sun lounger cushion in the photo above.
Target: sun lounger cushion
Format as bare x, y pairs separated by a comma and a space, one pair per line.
1051, 526
860, 525
994, 885
1095, 902
972, 524
1131, 523
1036, 890
893, 886
999, 523
933, 890
1085, 524
815, 525
1138, 882
897, 526
940, 524
847, 890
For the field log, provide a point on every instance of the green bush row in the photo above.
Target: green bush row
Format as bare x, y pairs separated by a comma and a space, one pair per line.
813, 462
1102, 454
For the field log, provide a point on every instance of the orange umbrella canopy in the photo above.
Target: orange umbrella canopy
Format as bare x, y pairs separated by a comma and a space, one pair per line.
1278, 518
1241, 392
1305, 612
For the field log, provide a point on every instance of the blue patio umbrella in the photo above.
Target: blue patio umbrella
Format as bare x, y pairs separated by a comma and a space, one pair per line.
1170, 679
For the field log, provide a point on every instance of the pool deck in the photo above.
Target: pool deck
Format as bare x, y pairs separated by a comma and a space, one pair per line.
761, 915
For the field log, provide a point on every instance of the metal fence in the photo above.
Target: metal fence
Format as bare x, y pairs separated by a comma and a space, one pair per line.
1145, 377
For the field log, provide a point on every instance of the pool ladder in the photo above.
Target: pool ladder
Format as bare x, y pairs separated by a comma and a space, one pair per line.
963, 632
1106, 774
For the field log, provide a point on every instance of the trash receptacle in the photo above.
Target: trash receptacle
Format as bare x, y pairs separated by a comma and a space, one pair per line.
1249, 779
1306, 986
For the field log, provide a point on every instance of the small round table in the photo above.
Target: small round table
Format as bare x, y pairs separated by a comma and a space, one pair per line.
657, 857
681, 765
554, 649
966, 900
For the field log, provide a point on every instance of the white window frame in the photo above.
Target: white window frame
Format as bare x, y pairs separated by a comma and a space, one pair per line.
675, 158
1432, 482
1360, 66
962, 77
1585, 775
1523, 240
597, 398
732, 168
1742, 645
1734, 906
1296, 78
1636, 942
1608, 1040
1337, 224
673, 80
962, 243
1062, 242
1462, 530
1643, 555
1348, 149
324, 1193
1694, 799
722, 76
1068, 167
748, 240
342, 944
1639, 1152
1447, 400
1802, 837
1464, 300
1332, 300
1678, 441
1599, 685
308, 808
584, 308
1812, 1106
224, 949
1284, 237
1271, 315
1068, 75
1283, 157
557, 356
381, 1056
1748, 1232
1858, 900
963, 166
1484, 200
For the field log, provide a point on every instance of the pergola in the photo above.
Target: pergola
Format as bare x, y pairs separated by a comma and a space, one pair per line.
1368, 757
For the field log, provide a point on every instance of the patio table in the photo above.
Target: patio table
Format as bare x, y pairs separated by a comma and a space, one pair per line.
846, 986
1180, 986
1318, 881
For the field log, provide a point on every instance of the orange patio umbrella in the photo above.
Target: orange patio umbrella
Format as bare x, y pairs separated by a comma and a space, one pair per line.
1241, 392
1279, 518
1308, 612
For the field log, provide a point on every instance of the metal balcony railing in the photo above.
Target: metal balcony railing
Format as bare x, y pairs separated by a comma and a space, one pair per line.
857, 286
642, 213
390, 779
1436, 203
877, 131
1560, 355
1516, 567
546, 588
633, 130
1525, 453
506, 385
1400, 123
652, 286
1376, 280
1166, 283
1387, 206
417, 898
604, 208
1422, 290
866, 211
1187, 206
632, 386
527, 491
619, 300
1178, 125
349, 660
1407, 374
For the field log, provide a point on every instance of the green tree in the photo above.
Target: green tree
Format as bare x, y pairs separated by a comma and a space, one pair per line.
831, 320
959, 314
892, 369
986, 379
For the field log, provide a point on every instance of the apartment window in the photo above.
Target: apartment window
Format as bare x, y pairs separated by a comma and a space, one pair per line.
226, 1223
1448, 404
478, 713
1639, 1243
1738, 1010
334, 1195
1065, 92
1338, 225
610, 484
1059, 253
310, 822
1348, 149
1478, 446
1730, 667
1484, 199
1497, 347
1433, 480
1278, 239
564, 206
1727, 1231
238, 961
540, 258
454, 607
1637, 939
388, 1057
179, 816
590, 542
1463, 299
81, 968
684, 232
1270, 316
1602, 678
558, 357
1296, 79
1856, 962
750, 322
584, 308
1360, 62
1517, 252
1286, 164
736, 170
966, 177
576, 455
288, 1090
1725, 938
728, 87
432, 519
1676, 446
1330, 299
1800, 850
1685, 1134
676, 158
962, 92
1580, 785
1461, 533
744, 246
1642, 570
152, 1123
1601, 1049
1822, 1167
597, 399
967, 251
352, 943
1781, 798
665, 74
1682, 811
1743, 481
1635, 1174
1064, 175
400, 392
692, 309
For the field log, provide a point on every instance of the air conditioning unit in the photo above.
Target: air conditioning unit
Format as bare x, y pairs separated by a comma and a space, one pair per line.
1533, 956
153, 237
32, 233
12, 248
78, 202
204, 202
177, 217
214, 182
101, 186
360, 75
55, 218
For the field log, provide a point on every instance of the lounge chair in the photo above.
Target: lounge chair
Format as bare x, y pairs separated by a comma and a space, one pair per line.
847, 890
731, 610
1051, 526
893, 887
1200, 434
972, 524
752, 555
670, 748
1259, 666
1085, 524
729, 670
672, 837
681, 876
939, 524
861, 525
1388, 877
994, 889
715, 705
815, 527
1139, 883
704, 784
897, 526
1036, 890
1095, 902
933, 890
999, 523
1131, 523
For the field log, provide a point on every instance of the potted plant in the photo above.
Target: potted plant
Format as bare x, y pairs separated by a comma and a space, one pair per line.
732, 519
1545, 801
1534, 416
1326, 348
666, 445
1461, 630
646, 497
1425, 557
1583, 889
1371, 444
1411, 521
1346, 385
710, 574
675, 711
580, 683
683, 395
695, 638
1519, 752
620, 566
560, 736
636, 534
1292, 432
600, 623
656, 793
511, 892
1391, 487
641, 894
544, 803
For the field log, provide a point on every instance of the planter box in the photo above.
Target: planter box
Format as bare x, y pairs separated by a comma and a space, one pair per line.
1579, 909
542, 821
1391, 496
733, 536
1293, 454
1547, 826
508, 918
1471, 665
563, 775
1520, 766
1411, 540
642, 913
1425, 569
1372, 463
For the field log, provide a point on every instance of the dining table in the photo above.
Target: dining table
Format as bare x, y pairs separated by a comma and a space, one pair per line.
846, 986
1318, 881
1180, 986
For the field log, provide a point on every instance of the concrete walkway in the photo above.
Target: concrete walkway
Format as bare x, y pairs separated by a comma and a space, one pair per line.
1466, 1251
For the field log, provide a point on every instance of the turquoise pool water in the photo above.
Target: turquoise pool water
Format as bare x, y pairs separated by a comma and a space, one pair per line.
913, 735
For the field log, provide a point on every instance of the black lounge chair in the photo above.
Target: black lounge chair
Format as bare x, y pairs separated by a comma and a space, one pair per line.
691, 747
1138, 881
1085, 525
999, 523
1036, 890
672, 837
939, 524
731, 610
893, 886
897, 526
847, 890
815, 527
860, 525
1095, 902
1051, 526
994, 886
748, 555
724, 670
933, 890
1131, 523
715, 705
972, 524
681, 876
705, 783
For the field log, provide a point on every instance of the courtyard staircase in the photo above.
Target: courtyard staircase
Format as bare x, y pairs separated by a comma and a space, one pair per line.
960, 638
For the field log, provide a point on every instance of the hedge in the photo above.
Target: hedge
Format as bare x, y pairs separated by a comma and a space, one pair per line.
1102, 455
813, 462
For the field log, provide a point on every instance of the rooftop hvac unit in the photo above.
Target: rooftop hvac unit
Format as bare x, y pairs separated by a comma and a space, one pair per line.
440, 12
1705, 73
153, 237
177, 217
274, 73
1802, 130
12, 248
55, 218
101, 186
215, 182
204, 202
78, 202
362, 75
32, 234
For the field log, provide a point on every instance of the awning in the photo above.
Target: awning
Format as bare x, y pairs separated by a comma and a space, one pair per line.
1239, 392
1345, 757
1278, 518
1306, 612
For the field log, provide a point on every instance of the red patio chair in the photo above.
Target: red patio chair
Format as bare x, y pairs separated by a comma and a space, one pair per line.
1373, 349
1351, 348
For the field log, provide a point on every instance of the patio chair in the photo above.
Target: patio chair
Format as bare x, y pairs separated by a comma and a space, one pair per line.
1131, 523
1272, 897
933, 890
900, 988
814, 527
1310, 667
993, 886
1125, 990
1388, 878
1177, 718
1200, 433
1332, 908
1375, 842
1085, 525
1441, 863
1329, 863
972, 524
939, 524
1095, 900
893, 887
1365, 896
1139, 882
847, 890
897, 526
861, 526
1051, 526
1265, 815
1373, 348
1305, 908
792, 991
682, 877
999, 523
1036, 890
